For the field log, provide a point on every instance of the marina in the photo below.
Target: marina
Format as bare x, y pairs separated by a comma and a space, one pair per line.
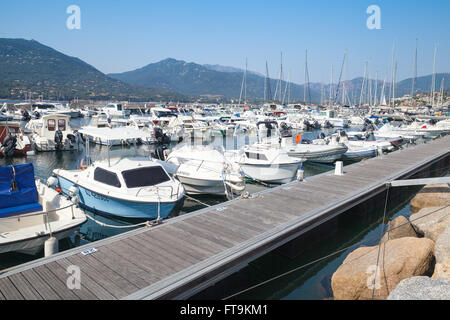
203, 247
161, 151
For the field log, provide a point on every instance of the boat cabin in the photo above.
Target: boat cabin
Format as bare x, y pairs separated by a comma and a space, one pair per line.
49, 124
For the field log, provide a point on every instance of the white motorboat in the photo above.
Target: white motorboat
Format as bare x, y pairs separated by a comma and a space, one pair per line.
13, 141
116, 136
266, 160
116, 110
366, 140
125, 187
354, 152
326, 152
31, 212
43, 108
52, 132
205, 170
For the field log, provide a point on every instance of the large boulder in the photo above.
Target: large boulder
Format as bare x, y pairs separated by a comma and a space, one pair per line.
442, 246
442, 255
398, 259
431, 222
400, 227
434, 195
442, 269
421, 288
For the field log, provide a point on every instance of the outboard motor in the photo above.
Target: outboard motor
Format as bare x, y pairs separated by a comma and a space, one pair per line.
370, 136
327, 124
72, 139
285, 130
58, 139
9, 145
159, 153
37, 115
25, 115
316, 125
160, 136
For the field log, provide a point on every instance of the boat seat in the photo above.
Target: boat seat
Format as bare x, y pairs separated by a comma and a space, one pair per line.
18, 192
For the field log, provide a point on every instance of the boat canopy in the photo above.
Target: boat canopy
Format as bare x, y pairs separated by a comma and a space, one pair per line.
18, 192
109, 134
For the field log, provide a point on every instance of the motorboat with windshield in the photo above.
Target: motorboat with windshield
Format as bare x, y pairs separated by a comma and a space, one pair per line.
266, 160
205, 170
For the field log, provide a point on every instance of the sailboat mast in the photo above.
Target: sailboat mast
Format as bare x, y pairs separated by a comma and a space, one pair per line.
344, 78
375, 101
245, 84
415, 73
363, 86
441, 98
331, 86
391, 95
433, 81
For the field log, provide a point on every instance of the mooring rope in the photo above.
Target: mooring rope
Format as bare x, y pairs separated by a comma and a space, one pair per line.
146, 223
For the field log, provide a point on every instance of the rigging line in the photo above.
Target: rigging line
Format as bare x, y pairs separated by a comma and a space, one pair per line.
381, 233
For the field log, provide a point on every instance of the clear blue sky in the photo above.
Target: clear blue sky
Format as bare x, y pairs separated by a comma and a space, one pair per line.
119, 36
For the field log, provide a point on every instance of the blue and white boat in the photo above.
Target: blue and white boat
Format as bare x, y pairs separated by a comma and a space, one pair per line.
31, 212
127, 187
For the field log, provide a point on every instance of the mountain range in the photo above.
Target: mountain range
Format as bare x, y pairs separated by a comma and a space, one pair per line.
194, 79
27, 65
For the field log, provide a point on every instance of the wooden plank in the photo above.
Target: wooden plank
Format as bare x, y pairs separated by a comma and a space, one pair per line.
86, 281
135, 274
57, 285
226, 232
44, 290
228, 225
9, 291
197, 231
26, 290
101, 277
153, 256
191, 237
251, 216
151, 265
60, 273
248, 221
172, 255
190, 252
121, 280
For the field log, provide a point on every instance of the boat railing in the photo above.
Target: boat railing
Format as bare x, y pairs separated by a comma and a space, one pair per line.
158, 188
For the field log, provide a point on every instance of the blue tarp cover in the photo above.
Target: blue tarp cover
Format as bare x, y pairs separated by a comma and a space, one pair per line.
23, 200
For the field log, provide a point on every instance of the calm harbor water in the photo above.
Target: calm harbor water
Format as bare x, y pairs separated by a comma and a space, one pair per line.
312, 282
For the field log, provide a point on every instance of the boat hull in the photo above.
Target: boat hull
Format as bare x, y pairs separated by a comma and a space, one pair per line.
99, 203
34, 245
278, 174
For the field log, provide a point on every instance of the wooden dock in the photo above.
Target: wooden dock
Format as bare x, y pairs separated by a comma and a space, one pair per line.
188, 253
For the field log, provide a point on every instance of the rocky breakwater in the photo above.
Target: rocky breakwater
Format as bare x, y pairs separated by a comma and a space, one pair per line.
412, 260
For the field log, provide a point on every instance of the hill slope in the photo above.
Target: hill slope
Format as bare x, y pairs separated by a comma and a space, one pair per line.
31, 66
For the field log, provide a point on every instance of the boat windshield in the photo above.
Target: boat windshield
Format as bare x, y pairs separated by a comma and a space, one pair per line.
145, 177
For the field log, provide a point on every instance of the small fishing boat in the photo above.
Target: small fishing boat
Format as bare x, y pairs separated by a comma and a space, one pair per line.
266, 160
116, 136
326, 152
125, 187
205, 170
31, 212
52, 132
116, 110
13, 142
354, 152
